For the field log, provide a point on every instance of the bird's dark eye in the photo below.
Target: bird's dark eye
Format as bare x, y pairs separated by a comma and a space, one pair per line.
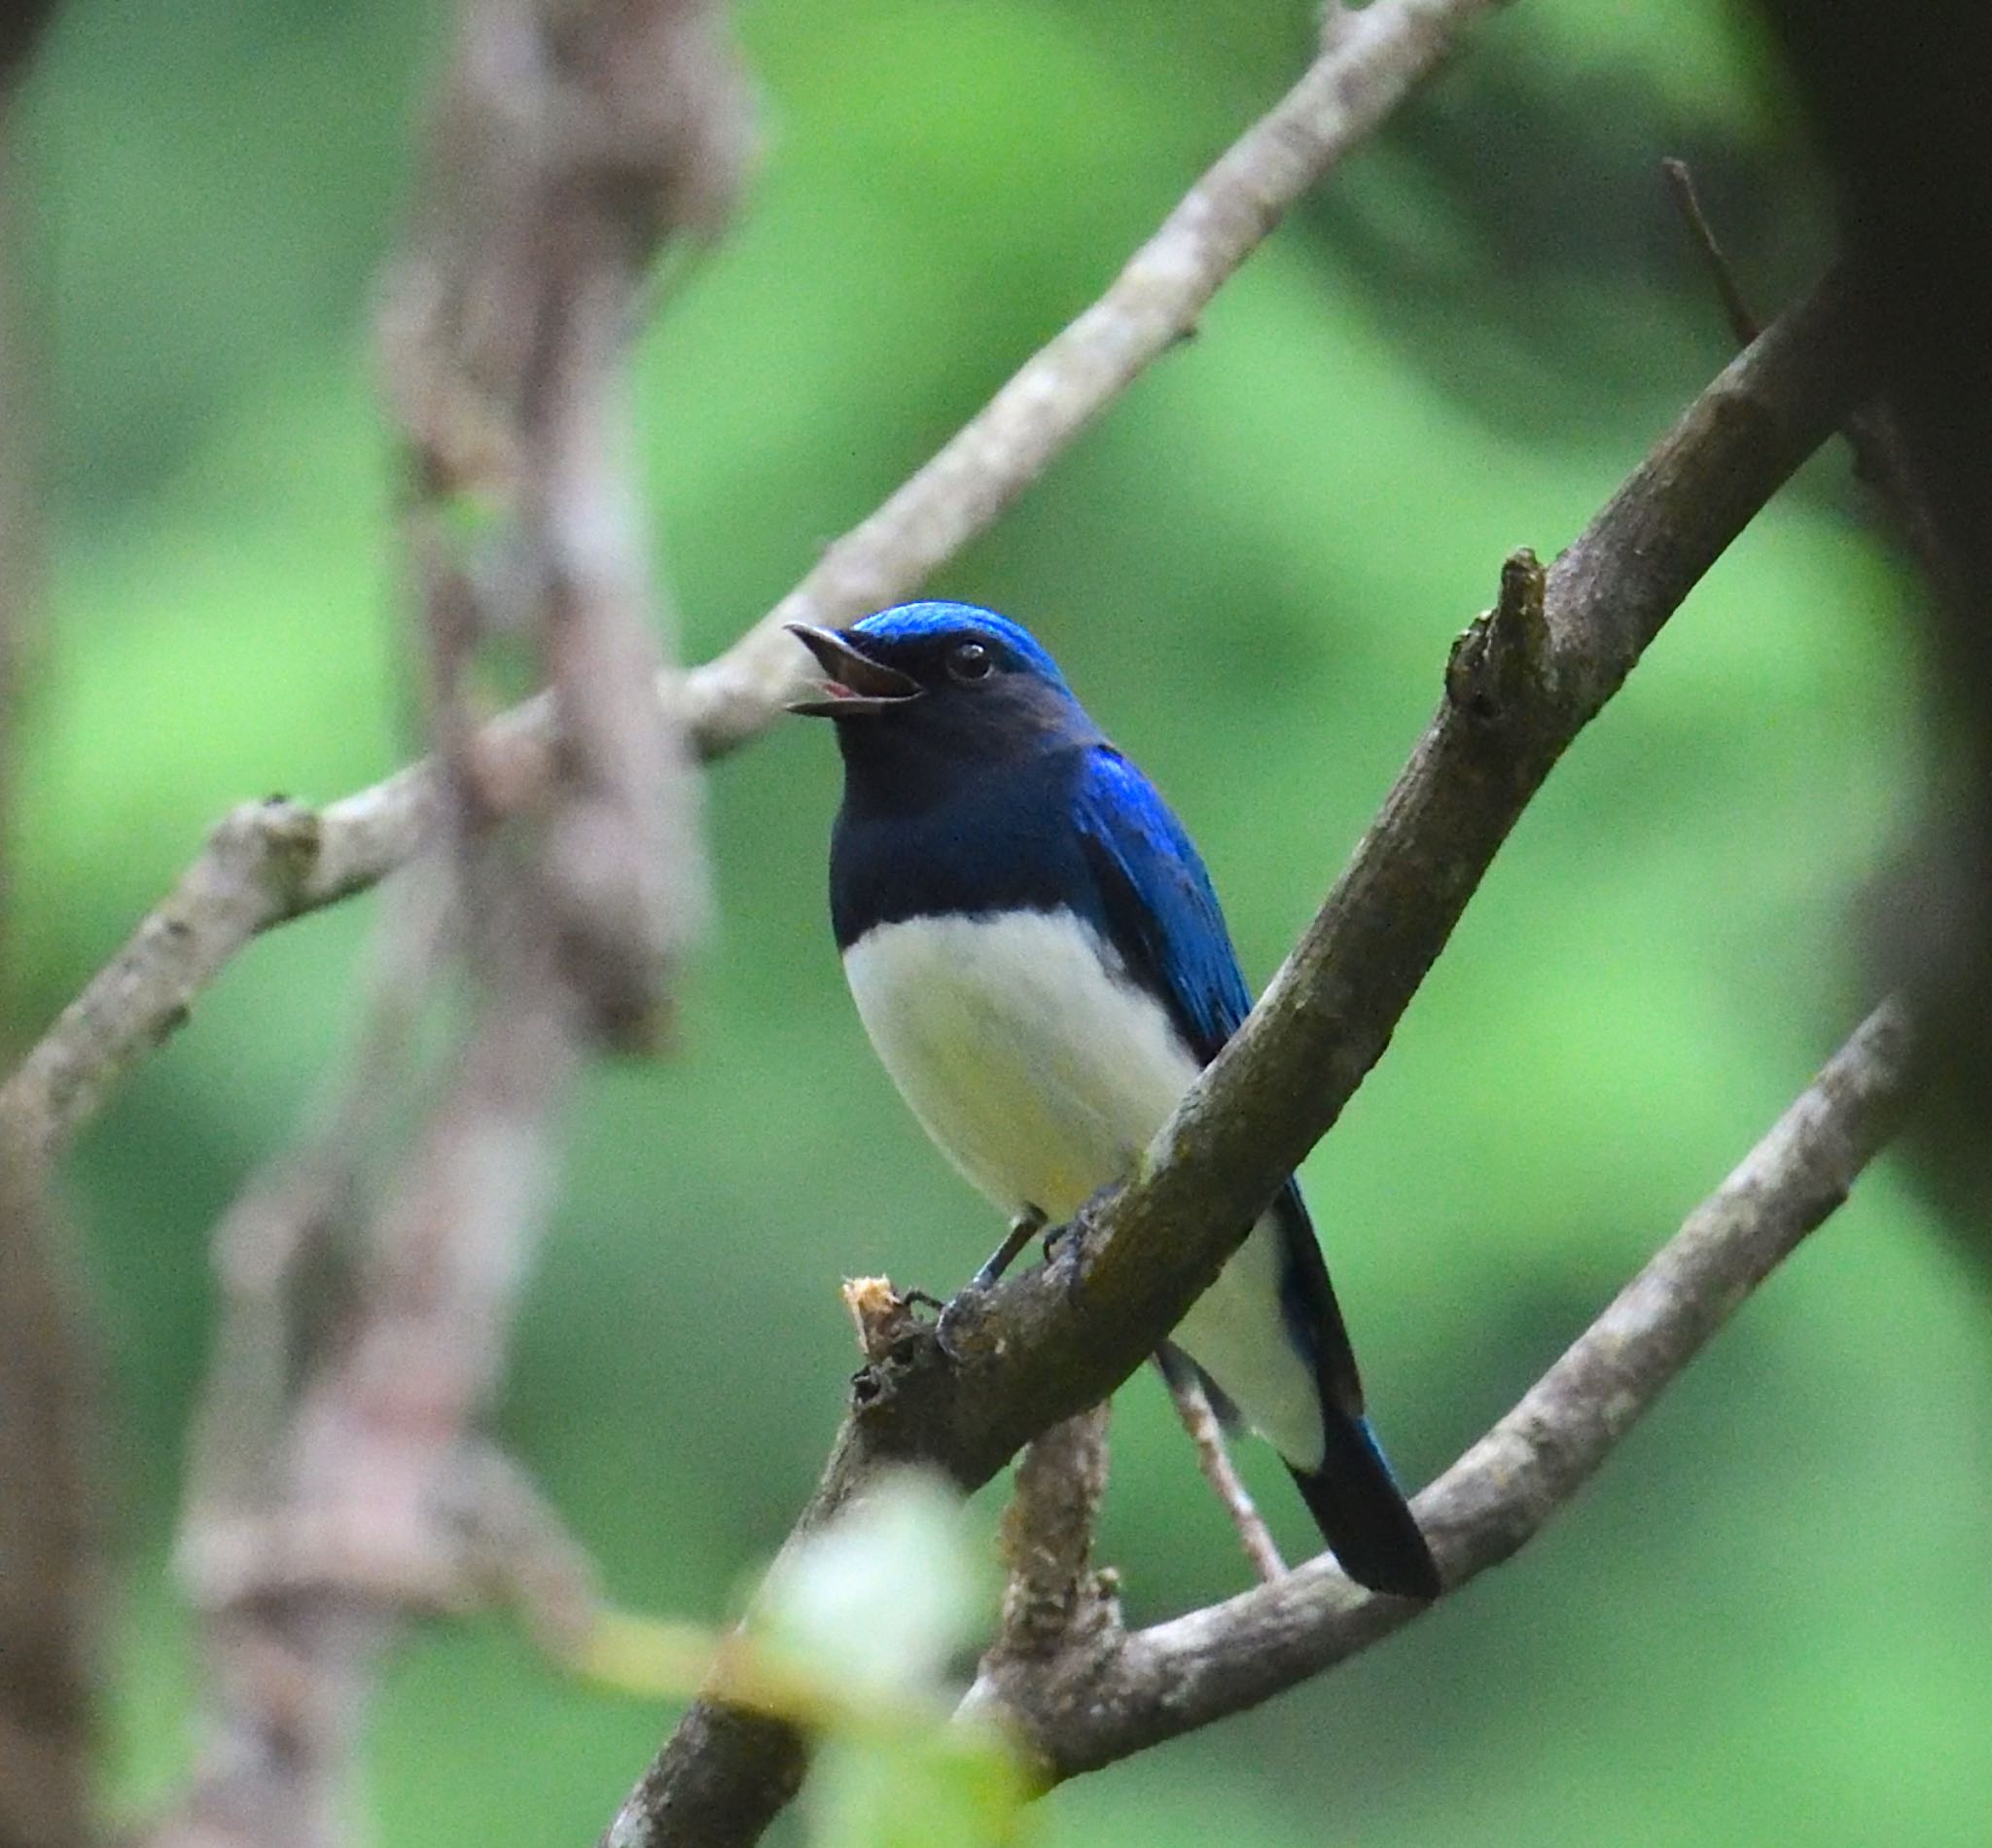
970, 661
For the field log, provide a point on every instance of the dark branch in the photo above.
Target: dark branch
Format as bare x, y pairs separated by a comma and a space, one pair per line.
47, 1551
49, 1563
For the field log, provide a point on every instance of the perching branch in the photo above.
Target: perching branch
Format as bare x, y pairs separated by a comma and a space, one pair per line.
270, 862
1523, 681
1107, 1695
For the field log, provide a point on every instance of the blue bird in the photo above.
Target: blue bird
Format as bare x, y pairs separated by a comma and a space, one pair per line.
1038, 959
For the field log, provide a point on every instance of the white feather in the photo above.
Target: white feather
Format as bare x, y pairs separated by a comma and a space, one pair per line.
1042, 1073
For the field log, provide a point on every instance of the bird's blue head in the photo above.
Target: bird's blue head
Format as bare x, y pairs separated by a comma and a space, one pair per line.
927, 694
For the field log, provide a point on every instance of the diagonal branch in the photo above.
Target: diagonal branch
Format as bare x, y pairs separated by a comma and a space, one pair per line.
1523, 681
268, 863
1107, 1696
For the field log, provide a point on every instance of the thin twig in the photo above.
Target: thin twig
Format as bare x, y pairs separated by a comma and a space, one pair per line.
1214, 1459
1743, 322
270, 863
1880, 463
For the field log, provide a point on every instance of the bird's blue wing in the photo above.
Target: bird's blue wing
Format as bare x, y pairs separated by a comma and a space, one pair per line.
1159, 911
1156, 906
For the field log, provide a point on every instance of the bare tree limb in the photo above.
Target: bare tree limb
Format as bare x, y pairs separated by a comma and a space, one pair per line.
1372, 59
268, 863
1053, 1595
1523, 680
1108, 1695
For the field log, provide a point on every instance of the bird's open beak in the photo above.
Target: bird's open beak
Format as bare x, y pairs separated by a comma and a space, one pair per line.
855, 685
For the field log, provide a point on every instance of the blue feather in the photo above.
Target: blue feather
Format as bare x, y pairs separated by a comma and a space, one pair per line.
923, 621
1156, 901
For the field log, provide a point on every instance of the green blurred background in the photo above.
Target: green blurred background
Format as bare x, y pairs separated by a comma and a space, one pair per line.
1768, 1619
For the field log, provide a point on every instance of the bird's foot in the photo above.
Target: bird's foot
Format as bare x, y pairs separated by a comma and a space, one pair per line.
965, 1308
959, 1316
1065, 1246
1024, 1227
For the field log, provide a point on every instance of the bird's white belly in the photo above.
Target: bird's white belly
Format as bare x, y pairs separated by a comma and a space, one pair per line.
1042, 1073
1039, 1073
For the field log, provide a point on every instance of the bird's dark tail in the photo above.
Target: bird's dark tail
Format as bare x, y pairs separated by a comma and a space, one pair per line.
1361, 1511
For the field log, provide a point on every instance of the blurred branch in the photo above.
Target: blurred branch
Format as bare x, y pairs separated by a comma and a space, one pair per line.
49, 1567
270, 863
1523, 681
47, 1542
341, 1483
48, 1578
1109, 1694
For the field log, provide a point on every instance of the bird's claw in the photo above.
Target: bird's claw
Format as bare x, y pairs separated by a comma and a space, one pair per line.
1065, 1245
959, 1314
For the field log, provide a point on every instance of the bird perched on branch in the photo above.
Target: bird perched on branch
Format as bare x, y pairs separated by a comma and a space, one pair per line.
1040, 961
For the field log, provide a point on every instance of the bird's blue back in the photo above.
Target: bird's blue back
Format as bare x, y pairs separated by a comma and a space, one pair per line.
1153, 902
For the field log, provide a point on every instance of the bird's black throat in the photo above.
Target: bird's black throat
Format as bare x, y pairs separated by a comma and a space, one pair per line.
957, 804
